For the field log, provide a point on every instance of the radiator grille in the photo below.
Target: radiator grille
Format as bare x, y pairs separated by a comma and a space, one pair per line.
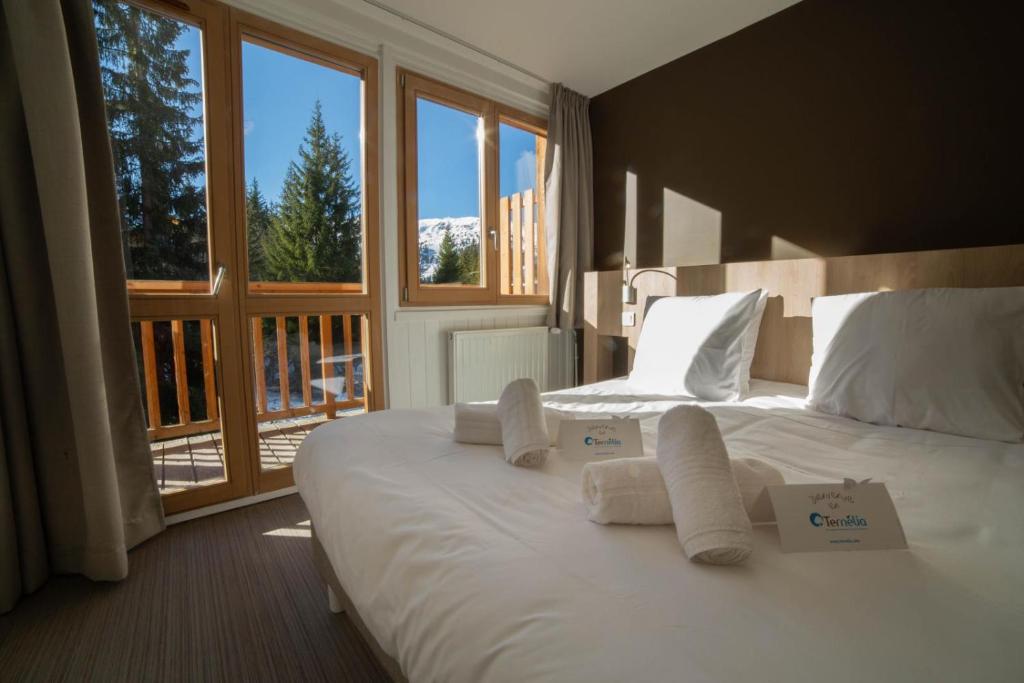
482, 362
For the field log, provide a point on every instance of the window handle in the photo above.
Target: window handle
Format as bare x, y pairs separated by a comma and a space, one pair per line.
218, 279
494, 238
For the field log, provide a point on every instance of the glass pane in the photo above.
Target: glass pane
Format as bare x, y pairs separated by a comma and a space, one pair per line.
175, 360
151, 67
522, 267
303, 163
449, 144
308, 369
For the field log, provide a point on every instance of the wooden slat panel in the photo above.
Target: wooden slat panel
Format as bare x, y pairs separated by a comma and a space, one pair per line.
516, 203
504, 255
350, 381
257, 361
282, 362
528, 244
542, 238
209, 375
180, 374
326, 365
149, 371
307, 387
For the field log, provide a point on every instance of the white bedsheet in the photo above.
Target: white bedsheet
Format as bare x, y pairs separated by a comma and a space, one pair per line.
467, 569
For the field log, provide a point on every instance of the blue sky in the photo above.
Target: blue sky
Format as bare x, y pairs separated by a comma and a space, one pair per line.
278, 93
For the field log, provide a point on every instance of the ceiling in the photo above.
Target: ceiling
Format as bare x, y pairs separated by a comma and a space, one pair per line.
589, 45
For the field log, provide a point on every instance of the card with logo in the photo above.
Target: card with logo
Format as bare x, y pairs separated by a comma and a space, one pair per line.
848, 516
604, 439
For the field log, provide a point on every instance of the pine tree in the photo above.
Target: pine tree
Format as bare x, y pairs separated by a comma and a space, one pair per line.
156, 134
448, 267
258, 218
469, 264
316, 234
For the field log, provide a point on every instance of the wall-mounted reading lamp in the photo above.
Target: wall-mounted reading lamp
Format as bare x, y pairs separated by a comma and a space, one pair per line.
628, 290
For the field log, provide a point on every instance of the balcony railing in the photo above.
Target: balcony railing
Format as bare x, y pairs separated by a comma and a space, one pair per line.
522, 259
182, 371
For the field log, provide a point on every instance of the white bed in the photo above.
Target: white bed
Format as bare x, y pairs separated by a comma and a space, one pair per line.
465, 568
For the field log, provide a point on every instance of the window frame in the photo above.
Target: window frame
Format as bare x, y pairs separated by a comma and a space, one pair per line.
246, 27
231, 308
411, 87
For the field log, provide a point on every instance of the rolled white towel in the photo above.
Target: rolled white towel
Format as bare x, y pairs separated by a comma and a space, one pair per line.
632, 490
626, 491
524, 431
478, 423
707, 508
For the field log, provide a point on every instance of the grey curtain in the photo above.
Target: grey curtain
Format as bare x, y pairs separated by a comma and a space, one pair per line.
569, 214
77, 488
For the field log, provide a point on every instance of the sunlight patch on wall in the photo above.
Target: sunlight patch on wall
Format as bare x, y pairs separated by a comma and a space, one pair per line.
691, 232
629, 232
784, 249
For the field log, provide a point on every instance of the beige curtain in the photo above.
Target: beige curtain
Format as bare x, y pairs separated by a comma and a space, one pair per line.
569, 214
77, 488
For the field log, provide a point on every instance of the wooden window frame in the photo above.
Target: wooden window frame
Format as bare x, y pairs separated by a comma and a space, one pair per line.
235, 304
302, 298
411, 87
272, 36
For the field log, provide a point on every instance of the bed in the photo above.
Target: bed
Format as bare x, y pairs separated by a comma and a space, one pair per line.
463, 568
460, 567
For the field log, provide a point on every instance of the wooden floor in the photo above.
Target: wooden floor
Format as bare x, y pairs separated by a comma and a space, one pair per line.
233, 597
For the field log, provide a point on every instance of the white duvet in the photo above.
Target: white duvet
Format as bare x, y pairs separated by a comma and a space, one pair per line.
467, 569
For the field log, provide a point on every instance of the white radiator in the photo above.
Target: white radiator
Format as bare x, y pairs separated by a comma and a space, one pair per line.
482, 362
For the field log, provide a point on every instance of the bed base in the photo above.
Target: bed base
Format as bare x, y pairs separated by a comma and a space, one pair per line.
338, 602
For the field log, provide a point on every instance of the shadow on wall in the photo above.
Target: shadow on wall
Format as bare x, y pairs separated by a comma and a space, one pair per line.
691, 232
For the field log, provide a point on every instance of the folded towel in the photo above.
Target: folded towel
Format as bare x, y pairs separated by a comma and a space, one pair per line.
524, 431
626, 491
707, 507
632, 490
479, 423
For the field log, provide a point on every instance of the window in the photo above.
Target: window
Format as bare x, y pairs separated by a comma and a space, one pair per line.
245, 157
303, 169
151, 67
473, 198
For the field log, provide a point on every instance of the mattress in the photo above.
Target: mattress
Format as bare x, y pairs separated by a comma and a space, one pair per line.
465, 568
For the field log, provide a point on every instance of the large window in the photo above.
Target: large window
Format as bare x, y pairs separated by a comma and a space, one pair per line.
473, 198
151, 66
245, 158
303, 169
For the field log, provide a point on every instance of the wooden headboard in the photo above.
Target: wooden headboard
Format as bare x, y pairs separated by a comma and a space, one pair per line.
784, 343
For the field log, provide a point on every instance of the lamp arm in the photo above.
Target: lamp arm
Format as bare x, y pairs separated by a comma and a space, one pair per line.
650, 270
629, 291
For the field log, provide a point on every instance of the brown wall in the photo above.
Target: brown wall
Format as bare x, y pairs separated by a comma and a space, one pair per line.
843, 126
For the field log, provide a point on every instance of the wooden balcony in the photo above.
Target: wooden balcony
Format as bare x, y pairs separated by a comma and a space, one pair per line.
297, 385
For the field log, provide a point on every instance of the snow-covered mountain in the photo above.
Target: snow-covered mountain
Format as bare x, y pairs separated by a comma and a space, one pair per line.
465, 230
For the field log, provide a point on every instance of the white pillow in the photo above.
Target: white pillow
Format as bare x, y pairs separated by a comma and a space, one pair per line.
948, 360
699, 346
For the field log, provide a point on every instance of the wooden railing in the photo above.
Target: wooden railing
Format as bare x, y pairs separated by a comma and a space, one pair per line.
185, 425
522, 254
331, 404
